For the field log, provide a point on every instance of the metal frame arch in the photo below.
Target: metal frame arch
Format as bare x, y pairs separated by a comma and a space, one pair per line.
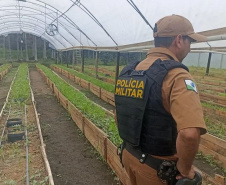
50, 17
25, 26
67, 18
39, 26
14, 32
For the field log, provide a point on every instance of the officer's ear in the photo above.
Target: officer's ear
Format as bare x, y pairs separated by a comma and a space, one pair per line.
178, 41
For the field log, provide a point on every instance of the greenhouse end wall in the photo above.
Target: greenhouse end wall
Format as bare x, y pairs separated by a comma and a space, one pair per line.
218, 61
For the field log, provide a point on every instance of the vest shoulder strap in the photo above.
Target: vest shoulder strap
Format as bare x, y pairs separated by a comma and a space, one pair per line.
130, 67
159, 69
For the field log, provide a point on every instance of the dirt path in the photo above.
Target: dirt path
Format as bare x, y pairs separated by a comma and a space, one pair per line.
72, 159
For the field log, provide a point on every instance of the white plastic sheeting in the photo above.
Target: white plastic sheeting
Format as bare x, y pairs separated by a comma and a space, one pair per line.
106, 24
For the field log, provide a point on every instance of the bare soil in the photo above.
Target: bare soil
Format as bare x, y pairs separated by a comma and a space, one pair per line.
13, 155
72, 159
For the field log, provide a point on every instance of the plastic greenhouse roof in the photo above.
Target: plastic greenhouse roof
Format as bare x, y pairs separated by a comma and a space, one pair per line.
109, 24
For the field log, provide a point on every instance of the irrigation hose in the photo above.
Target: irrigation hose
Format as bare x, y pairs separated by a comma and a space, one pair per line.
27, 154
5, 126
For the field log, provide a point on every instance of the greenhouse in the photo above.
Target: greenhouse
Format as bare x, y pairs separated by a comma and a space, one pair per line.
59, 66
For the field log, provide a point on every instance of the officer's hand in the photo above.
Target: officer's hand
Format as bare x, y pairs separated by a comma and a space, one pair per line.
185, 174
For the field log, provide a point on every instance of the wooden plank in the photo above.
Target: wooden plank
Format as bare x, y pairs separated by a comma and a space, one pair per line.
71, 77
95, 89
216, 144
95, 136
217, 156
51, 85
84, 84
76, 115
114, 162
65, 73
221, 113
77, 80
56, 92
63, 100
220, 179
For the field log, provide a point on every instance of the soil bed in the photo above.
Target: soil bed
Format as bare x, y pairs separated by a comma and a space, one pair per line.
13, 155
72, 159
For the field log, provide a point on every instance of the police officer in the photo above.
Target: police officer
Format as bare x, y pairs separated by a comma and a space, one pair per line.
159, 114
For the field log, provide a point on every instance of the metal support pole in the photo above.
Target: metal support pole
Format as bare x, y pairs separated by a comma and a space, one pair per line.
117, 67
127, 58
61, 57
21, 47
18, 48
36, 54
9, 53
73, 59
51, 53
44, 50
208, 64
221, 64
26, 51
96, 65
4, 47
82, 66
58, 57
199, 59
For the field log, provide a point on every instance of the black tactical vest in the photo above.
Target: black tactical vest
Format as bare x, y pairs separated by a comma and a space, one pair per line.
142, 120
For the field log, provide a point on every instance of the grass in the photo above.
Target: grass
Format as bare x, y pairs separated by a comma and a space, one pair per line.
4, 67
215, 129
212, 106
20, 92
104, 85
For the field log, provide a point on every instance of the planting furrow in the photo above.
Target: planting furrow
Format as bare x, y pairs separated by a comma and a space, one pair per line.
20, 157
72, 159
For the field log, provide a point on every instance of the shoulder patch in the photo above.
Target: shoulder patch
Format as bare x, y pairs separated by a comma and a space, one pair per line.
191, 85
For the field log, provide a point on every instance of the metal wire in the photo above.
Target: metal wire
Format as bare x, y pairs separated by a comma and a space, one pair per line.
3, 131
139, 12
27, 153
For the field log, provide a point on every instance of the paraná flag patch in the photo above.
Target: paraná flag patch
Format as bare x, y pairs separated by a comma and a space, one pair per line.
191, 85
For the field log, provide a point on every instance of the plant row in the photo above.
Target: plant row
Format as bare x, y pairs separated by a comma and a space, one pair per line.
104, 85
20, 92
4, 69
93, 112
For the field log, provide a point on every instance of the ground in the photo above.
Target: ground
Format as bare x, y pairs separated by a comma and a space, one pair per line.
72, 159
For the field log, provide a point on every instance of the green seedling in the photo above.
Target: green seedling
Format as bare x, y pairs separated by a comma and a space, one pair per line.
10, 182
